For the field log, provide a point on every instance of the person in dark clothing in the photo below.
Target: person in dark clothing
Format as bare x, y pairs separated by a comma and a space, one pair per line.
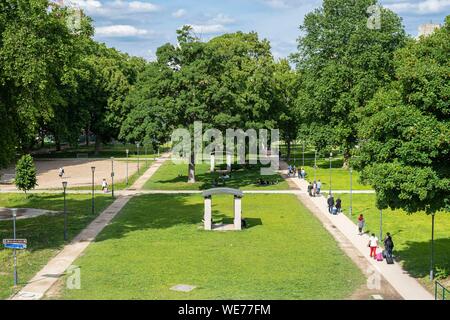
310, 188
388, 244
338, 205
330, 202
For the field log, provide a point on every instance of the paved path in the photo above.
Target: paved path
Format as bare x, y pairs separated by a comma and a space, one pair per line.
408, 287
56, 267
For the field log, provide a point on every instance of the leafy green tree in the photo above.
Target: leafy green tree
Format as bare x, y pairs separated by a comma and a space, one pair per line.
405, 136
225, 83
36, 65
287, 84
25, 179
343, 63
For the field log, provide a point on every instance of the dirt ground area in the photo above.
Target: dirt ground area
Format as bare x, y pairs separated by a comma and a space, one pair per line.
77, 173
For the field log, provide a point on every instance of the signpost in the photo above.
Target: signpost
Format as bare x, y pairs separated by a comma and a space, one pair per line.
15, 244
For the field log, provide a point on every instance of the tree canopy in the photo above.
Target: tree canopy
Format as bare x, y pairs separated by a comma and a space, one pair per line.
405, 136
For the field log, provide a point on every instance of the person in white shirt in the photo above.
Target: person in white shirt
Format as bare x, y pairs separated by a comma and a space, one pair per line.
373, 245
104, 186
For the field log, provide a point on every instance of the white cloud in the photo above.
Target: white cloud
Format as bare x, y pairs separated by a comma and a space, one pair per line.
117, 8
207, 28
221, 19
142, 6
88, 5
276, 3
120, 31
421, 7
179, 13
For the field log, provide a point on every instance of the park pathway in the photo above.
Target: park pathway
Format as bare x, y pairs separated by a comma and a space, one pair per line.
57, 266
408, 287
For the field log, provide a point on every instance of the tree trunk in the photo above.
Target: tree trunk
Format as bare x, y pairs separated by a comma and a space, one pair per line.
86, 136
191, 169
288, 150
58, 144
98, 145
346, 163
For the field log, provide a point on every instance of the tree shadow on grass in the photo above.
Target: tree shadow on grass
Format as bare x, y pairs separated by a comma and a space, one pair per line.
416, 256
240, 176
153, 212
47, 231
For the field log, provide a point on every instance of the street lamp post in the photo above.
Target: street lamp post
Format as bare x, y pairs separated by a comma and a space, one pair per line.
315, 164
112, 177
303, 154
351, 192
145, 152
381, 224
432, 248
64, 184
16, 278
331, 154
127, 151
93, 189
137, 146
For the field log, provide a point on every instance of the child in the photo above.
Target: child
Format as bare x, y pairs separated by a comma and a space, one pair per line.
361, 223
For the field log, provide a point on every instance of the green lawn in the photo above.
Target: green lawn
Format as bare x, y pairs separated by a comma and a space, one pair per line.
411, 234
158, 242
45, 234
340, 178
172, 176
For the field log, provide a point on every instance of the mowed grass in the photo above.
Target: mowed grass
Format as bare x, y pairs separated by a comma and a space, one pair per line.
157, 242
45, 234
172, 176
411, 234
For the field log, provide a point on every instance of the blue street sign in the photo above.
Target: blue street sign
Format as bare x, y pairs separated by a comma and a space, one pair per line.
18, 246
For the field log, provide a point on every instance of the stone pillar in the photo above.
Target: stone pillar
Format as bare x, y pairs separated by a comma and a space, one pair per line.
208, 212
228, 162
212, 163
237, 213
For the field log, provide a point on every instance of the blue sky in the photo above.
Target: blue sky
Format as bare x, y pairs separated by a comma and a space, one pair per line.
139, 27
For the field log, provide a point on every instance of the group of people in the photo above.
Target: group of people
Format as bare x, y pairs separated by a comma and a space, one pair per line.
293, 172
314, 188
334, 207
377, 253
262, 182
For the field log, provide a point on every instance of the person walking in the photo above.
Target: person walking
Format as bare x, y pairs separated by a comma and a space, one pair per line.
319, 186
388, 245
373, 245
104, 186
314, 188
61, 172
303, 172
330, 202
338, 205
361, 223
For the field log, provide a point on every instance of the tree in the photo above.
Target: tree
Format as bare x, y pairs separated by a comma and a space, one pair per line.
343, 63
25, 174
287, 84
405, 135
37, 51
224, 83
